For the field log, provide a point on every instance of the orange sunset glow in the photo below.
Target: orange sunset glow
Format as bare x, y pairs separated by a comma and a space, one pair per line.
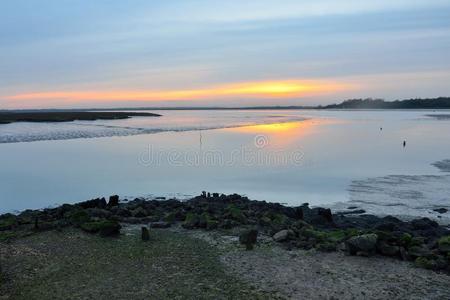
264, 89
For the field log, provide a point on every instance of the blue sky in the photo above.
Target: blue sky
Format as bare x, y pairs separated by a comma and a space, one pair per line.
388, 49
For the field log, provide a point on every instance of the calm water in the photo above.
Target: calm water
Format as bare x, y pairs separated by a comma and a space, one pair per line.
332, 158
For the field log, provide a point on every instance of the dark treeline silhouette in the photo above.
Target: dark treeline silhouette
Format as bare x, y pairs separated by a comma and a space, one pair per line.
428, 103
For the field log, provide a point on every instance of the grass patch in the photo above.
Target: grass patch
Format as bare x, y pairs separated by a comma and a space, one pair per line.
75, 265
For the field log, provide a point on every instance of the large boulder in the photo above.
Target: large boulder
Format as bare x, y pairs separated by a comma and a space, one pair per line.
283, 235
364, 244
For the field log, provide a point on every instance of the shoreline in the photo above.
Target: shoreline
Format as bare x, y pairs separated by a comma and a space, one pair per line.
67, 116
257, 249
296, 227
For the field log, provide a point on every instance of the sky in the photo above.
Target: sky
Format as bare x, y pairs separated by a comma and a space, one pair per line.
99, 53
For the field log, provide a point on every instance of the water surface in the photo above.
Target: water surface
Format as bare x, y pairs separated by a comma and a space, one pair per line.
332, 158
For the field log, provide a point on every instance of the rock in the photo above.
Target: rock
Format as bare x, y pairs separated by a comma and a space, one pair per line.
160, 225
145, 235
352, 212
404, 254
94, 203
123, 212
444, 244
326, 213
424, 224
99, 213
388, 250
417, 251
139, 212
248, 238
192, 221
113, 201
78, 217
132, 220
441, 210
7, 222
105, 228
365, 243
283, 235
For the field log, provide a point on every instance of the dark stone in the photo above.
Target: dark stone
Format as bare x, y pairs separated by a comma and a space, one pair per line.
353, 212
283, 235
139, 212
417, 251
424, 224
441, 210
106, 228
248, 238
113, 201
94, 203
388, 250
160, 225
99, 213
145, 235
299, 213
365, 243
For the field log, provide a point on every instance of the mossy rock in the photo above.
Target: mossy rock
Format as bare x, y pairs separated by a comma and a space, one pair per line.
7, 222
105, 227
319, 236
211, 223
351, 232
7, 236
327, 246
236, 214
337, 235
406, 240
78, 217
444, 244
192, 221
425, 263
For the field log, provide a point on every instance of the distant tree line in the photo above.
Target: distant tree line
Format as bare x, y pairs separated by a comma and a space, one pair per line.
369, 103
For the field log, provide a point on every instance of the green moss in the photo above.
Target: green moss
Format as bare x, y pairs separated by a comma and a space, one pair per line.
236, 214
191, 221
351, 232
337, 235
78, 217
99, 226
170, 217
425, 263
7, 222
211, 223
444, 241
406, 240
327, 246
6, 236
320, 236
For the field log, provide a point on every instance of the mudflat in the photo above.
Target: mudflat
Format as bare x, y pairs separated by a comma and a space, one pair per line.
67, 116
